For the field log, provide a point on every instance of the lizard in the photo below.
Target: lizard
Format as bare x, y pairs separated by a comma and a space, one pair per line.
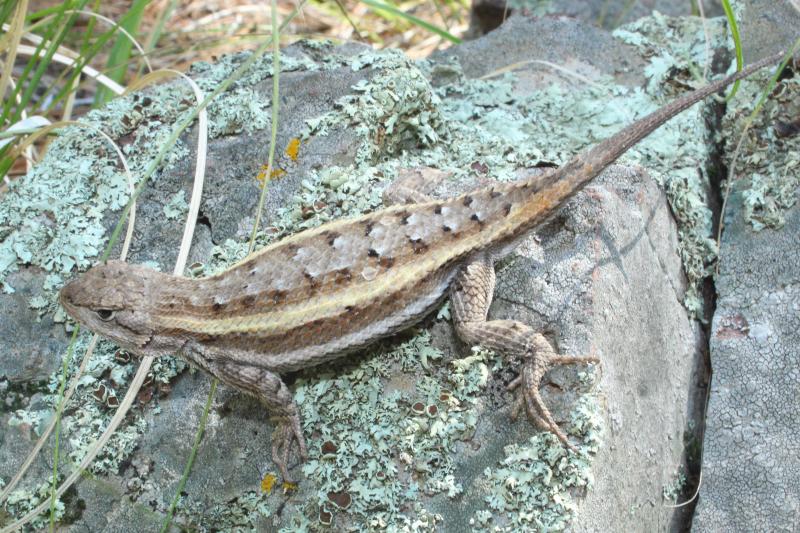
329, 291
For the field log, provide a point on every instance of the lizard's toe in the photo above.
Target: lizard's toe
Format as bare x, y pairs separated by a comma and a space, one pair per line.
529, 398
284, 435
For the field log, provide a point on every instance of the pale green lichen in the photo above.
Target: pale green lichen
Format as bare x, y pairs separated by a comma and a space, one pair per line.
54, 217
768, 197
101, 386
176, 207
386, 453
366, 408
670, 491
22, 501
769, 164
532, 489
86, 416
669, 41
246, 512
394, 110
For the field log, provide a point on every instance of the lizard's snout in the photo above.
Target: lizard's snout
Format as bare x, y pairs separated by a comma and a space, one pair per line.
66, 295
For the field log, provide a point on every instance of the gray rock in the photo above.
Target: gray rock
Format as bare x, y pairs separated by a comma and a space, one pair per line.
750, 450
602, 276
563, 41
608, 258
488, 15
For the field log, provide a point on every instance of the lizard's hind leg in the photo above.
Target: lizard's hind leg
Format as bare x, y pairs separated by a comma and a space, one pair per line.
270, 389
471, 296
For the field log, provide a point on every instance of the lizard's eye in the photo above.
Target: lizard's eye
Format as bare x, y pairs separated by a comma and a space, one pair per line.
105, 314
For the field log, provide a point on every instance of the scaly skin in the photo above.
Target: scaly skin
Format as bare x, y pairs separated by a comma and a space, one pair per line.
324, 292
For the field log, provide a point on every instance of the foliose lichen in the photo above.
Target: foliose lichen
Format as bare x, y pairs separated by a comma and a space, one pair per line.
384, 443
768, 165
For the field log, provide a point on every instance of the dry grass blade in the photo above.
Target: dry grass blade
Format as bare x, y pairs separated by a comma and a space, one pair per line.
125, 246
146, 363
9, 43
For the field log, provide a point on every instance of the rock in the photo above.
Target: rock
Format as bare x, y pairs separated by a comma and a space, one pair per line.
750, 450
488, 15
603, 276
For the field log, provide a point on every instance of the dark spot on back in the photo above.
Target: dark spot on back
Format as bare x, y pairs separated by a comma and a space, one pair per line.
535, 186
507, 209
217, 307
494, 194
446, 229
368, 225
468, 200
312, 281
404, 216
437, 210
372, 252
249, 300
253, 272
475, 217
331, 236
418, 245
348, 308
387, 262
277, 296
342, 275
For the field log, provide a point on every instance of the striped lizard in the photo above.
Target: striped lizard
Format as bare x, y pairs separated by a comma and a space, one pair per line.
325, 292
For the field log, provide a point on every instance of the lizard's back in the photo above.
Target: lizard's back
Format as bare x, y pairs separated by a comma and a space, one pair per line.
342, 285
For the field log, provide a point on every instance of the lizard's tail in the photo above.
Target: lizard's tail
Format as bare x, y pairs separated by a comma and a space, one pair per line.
573, 176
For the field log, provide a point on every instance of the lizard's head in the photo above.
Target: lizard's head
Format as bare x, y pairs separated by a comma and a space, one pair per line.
112, 299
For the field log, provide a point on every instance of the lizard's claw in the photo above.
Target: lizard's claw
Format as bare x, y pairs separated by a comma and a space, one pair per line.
527, 383
285, 433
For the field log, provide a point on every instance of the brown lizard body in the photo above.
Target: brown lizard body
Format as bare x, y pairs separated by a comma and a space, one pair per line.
328, 291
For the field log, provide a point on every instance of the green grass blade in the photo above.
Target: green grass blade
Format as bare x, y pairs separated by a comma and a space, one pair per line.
737, 43
385, 9
55, 33
120, 55
192, 454
57, 430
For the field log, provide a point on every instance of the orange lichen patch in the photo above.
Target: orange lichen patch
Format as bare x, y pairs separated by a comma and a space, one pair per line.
293, 148
268, 483
262, 174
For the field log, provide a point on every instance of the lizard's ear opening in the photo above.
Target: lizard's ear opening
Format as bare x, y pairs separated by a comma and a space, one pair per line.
105, 314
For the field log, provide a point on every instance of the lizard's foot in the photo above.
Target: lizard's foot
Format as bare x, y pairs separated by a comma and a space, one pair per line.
285, 433
528, 397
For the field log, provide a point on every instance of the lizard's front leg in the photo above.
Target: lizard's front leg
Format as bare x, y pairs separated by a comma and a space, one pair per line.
471, 296
270, 389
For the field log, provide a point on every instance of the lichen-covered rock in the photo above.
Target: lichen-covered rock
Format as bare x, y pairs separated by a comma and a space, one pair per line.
751, 455
413, 434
